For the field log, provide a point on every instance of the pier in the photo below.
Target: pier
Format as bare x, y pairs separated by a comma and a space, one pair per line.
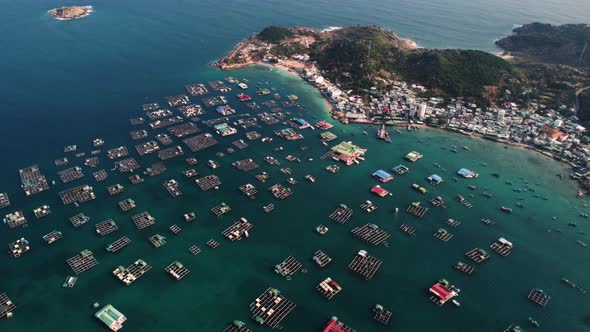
200, 142
6, 306
407, 229
143, 220
19, 247
443, 235
70, 174
172, 187
279, 191
79, 194
465, 268
127, 204
328, 288
417, 210
539, 297
342, 214
79, 220
177, 270
157, 240
321, 259
502, 246
82, 262
52, 237
271, 308
15, 219
33, 181
288, 267
106, 227
130, 274
381, 315
208, 182
245, 165
365, 265
478, 255
238, 229
371, 234
118, 245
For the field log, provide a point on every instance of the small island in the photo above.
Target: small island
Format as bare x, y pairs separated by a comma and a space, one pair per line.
70, 12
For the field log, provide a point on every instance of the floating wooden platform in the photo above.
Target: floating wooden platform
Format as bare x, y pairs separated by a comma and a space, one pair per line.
539, 297
249, 190
33, 181
208, 182
465, 268
42, 211
453, 222
130, 274
443, 235
245, 165
200, 142
127, 204
288, 267
407, 229
213, 244
118, 245
478, 255
155, 169
328, 288
382, 315
127, 165
220, 209
106, 227
157, 240
80, 194
175, 229
279, 191
194, 250
368, 206
502, 247
6, 306
100, 176
237, 229
19, 247
4, 200
116, 153
271, 308
371, 234
172, 187
342, 214
136, 179
417, 210
15, 219
79, 220
52, 237
365, 264
321, 259
82, 262
177, 270
143, 220
237, 326
171, 152
115, 189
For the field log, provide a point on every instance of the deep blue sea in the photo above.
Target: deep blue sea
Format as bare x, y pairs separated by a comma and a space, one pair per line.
69, 82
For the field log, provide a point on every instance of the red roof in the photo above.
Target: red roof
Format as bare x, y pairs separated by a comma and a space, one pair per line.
439, 291
332, 327
379, 191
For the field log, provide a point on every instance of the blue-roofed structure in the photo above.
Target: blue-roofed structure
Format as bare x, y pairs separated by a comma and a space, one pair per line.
464, 172
301, 123
382, 176
435, 179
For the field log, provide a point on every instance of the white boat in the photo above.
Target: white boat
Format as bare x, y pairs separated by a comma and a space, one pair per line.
455, 302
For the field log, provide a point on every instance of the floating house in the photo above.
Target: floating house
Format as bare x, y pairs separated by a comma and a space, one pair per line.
413, 156
468, 174
327, 136
435, 179
224, 129
377, 190
383, 176
400, 169
336, 326
111, 317
442, 292
323, 125
348, 153
301, 123
288, 134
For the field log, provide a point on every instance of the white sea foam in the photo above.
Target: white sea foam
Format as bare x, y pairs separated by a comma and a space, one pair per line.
328, 29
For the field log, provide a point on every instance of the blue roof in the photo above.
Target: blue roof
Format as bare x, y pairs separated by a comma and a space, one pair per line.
464, 171
301, 122
436, 178
382, 174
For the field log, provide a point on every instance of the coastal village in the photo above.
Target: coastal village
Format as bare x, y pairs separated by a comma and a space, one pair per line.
556, 133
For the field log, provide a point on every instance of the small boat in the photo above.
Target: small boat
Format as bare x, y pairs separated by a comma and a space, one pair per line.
321, 229
472, 187
455, 302
365, 132
534, 322
506, 209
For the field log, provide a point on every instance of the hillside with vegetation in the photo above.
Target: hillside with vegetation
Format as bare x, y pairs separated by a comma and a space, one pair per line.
552, 44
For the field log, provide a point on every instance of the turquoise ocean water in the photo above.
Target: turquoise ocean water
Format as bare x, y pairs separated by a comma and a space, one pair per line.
69, 82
